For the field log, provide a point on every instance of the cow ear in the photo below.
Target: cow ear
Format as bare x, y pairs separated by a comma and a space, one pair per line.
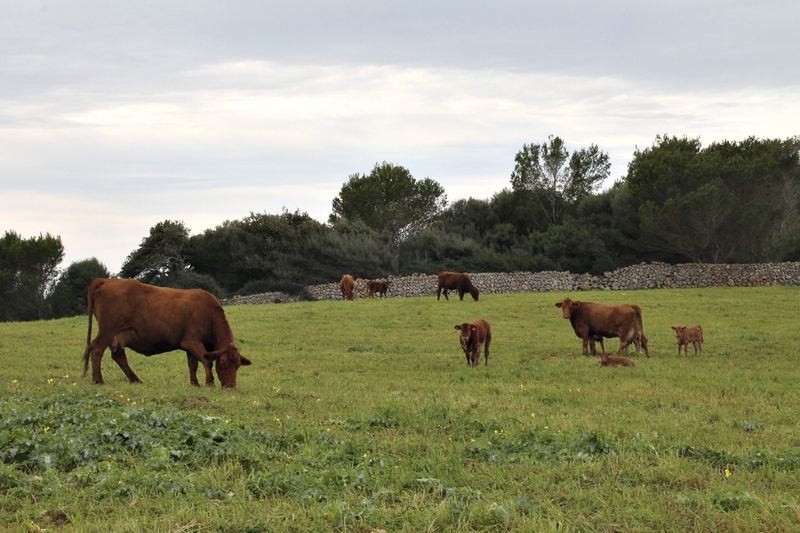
458, 326
246, 361
674, 328
558, 304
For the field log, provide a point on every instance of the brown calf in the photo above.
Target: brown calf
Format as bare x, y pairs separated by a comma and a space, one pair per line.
347, 284
448, 281
613, 360
472, 336
686, 335
378, 286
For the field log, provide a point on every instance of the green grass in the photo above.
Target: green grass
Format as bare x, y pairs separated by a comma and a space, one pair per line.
363, 415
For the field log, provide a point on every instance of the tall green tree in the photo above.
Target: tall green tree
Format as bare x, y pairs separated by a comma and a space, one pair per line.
559, 178
28, 268
389, 199
733, 201
163, 253
68, 297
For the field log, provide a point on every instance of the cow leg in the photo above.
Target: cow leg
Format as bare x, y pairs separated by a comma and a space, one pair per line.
486, 351
196, 350
585, 341
96, 349
119, 357
192, 362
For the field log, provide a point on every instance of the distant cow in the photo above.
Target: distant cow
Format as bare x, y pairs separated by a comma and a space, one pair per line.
591, 321
472, 336
613, 360
686, 335
153, 320
347, 284
455, 281
378, 286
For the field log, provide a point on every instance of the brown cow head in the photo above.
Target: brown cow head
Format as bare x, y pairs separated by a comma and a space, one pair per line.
680, 331
566, 306
474, 292
465, 335
228, 360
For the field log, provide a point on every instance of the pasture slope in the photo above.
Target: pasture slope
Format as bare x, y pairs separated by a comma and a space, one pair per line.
363, 416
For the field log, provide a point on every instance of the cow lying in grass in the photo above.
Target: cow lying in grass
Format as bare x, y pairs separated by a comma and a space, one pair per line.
686, 335
613, 360
471, 337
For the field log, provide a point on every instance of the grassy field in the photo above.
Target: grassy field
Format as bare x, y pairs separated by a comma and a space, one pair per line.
361, 416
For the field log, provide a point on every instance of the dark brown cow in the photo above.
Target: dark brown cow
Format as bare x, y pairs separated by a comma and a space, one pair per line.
472, 336
378, 286
590, 321
613, 360
455, 281
153, 320
686, 335
347, 284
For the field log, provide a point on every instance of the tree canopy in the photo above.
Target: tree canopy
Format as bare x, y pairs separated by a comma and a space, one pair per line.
389, 199
68, 297
28, 268
161, 254
557, 177
728, 202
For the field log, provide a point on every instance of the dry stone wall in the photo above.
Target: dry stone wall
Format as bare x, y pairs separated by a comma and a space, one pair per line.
641, 276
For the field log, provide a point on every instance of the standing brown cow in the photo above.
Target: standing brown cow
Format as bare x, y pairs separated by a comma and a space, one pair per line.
686, 335
591, 321
378, 286
472, 336
153, 320
347, 284
448, 281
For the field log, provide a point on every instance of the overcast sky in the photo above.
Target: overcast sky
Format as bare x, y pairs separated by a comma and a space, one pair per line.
117, 115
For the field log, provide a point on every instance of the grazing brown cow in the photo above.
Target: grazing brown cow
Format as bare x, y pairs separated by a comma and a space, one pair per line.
153, 320
591, 321
378, 286
686, 335
613, 360
472, 336
347, 284
456, 281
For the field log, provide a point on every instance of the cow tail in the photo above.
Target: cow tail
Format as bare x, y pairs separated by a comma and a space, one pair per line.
90, 310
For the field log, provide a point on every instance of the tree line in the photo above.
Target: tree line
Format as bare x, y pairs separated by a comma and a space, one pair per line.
731, 201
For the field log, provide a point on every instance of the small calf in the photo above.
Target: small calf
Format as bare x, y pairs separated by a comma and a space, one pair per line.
686, 335
378, 286
613, 360
472, 336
